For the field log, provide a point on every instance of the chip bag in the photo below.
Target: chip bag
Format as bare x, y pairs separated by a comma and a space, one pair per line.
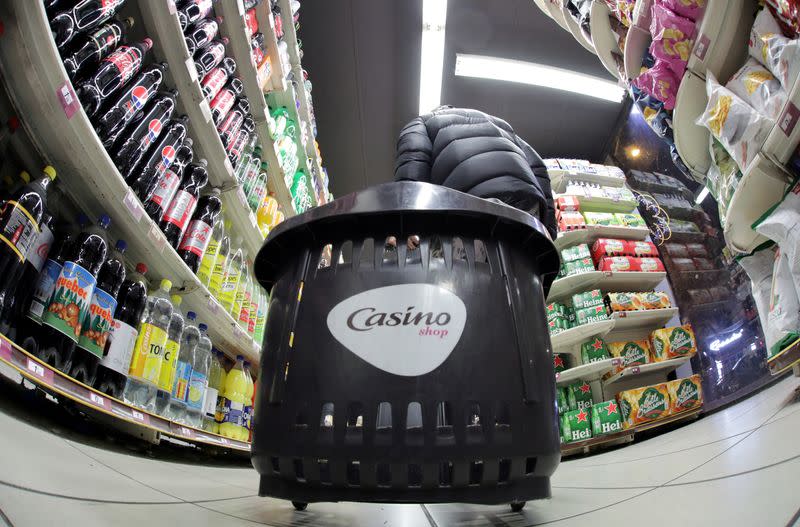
673, 38
691, 9
757, 86
779, 54
740, 129
660, 82
759, 266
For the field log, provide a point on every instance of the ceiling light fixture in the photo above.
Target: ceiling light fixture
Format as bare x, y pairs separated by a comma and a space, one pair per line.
635, 151
700, 197
537, 75
434, 19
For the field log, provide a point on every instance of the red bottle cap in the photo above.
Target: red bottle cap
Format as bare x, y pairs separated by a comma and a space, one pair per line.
141, 268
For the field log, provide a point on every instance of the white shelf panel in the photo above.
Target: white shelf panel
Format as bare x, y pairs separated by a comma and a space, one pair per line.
784, 137
644, 319
637, 41
587, 372
556, 13
762, 186
33, 73
630, 281
603, 204
574, 28
580, 334
604, 39
569, 285
663, 367
721, 39
692, 139
559, 179
594, 232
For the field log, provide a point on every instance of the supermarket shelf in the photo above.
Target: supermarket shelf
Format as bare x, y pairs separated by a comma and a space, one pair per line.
50, 379
266, 24
644, 319
596, 204
604, 39
637, 41
785, 359
761, 186
569, 285
169, 46
688, 415
645, 369
630, 281
560, 178
692, 139
574, 28
721, 40
579, 334
595, 232
235, 29
587, 372
556, 13
584, 447
37, 82
784, 137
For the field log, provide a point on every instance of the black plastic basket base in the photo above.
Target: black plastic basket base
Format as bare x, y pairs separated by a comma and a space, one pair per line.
529, 489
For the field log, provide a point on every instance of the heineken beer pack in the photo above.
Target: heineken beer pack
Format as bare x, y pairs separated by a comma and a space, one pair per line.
590, 315
587, 299
645, 404
671, 343
562, 361
594, 350
685, 394
632, 353
562, 403
606, 418
579, 395
576, 425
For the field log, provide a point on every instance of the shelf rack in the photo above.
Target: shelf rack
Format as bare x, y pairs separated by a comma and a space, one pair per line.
560, 177
581, 333
574, 28
637, 374
604, 40
785, 360
91, 400
592, 371
38, 84
594, 232
646, 318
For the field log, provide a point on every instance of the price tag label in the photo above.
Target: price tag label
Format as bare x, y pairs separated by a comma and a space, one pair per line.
141, 417
634, 370
158, 239
40, 371
187, 432
99, 400
227, 163
224, 440
701, 48
205, 109
68, 99
242, 197
240, 7
789, 119
622, 314
615, 362
558, 375
6, 351
171, 7
131, 203
213, 305
192, 69
607, 274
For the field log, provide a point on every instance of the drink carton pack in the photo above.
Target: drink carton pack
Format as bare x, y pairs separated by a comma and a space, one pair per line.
674, 342
594, 350
685, 394
576, 425
606, 418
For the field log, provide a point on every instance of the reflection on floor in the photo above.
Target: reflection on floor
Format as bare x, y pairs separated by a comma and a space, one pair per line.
735, 467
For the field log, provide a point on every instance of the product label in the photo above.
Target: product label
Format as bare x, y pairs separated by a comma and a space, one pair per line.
139, 96
229, 287
218, 277
244, 312
105, 38
652, 404
165, 190
687, 395
247, 417
180, 387
251, 322
119, 347
167, 157
147, 355
210, 403
165, 378
127, 61
209, 261
197, 390
97, 324
18, 229
37, 255
44, 290
680, 343
197, 238
153, 131
213, 82
230, 412
181, 209
71, 300
633, 354
223, 102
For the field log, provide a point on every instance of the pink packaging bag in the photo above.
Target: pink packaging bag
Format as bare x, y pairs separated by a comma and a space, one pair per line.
659, 82
691, 9
673, 38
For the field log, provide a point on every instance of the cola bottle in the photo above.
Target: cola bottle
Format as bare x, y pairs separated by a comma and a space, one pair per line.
251, 20
96, 47
192, 11
144, 178
225, 100
202, 33
236, 146
114, 71
250, 125
96, 326
181, 210
146, 127
168, 184
69, 305
230, 126
216, 78
195, 242
85, 16
56, 6
131, 301
258, 48
207, 58
114, 117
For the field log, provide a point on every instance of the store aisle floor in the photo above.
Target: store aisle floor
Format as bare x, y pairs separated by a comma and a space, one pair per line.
738, 466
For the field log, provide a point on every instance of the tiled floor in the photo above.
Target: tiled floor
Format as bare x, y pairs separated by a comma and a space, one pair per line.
739, 466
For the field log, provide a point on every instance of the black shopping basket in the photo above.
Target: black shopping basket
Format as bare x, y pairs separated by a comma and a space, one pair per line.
407, 354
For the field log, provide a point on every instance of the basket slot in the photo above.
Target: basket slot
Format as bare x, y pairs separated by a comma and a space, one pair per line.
475, 472
326, 424
502, 423
363, 251
386, 255
299, 473
446, 474
324, 469
414, 475
444, 425
413, 256
383, 424
474, 424
355, 424
354, 473
504, 471
414, 425
481, 255
343, 255
301, 421
276, 464
436, 253
383, 475
325, 257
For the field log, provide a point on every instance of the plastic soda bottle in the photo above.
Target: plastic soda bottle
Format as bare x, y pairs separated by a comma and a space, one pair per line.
183, 370
215, 379
241, 287
170, 357
233, 273
261, 318
259, 190
265, 213
145, 368
245, 288
252, 317
199, 380
210, 258
231, 408
248, 403
220, 266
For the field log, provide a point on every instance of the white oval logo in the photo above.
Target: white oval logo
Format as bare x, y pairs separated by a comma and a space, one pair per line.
407, 329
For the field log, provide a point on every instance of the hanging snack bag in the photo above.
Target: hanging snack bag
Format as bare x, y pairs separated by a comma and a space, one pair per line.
779, 54
673, 39
659, 82
780, 224
758, 87
691, 9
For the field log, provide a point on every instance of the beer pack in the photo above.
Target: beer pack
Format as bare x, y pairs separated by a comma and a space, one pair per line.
671, 343
632, 353
587, 299
584, 265
606, 418
590, 315
594, 350
577, 252
561, 362
579, 395
556, 309
641, 405
576, 425
561, 400
685, 394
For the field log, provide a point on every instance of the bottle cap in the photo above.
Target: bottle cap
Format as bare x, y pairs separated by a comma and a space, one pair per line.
141, 268
240, 357
203, 327
247, 364
121, 245
214, 192
104, 221
24, 176
165, 285
50, 172
188, 142
203, 163
191, 315
176, 300
163, 65
225, 40
147, 43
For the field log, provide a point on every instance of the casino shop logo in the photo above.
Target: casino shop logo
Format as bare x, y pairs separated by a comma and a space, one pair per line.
406, 330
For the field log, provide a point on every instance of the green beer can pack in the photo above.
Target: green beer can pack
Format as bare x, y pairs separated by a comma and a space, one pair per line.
576, 426
590, 315
577, 252
561, 362
606, 418
579, 395
587, 299
594, 350
561, 400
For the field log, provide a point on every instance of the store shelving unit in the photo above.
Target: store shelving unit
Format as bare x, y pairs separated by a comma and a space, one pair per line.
688, 415
574, 28
637, 41
90, 400
637, 374
646, 318
585, 447
560, 177
578, 334
590, 372
594, 232
786, 359
720, 44
691, 139
604, 40
58, 126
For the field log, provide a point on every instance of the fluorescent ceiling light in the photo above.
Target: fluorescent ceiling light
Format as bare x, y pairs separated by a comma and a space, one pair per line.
700, 197
434, 19
537, 75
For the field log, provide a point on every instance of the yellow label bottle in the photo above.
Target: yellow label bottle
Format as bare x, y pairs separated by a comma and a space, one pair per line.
147, 355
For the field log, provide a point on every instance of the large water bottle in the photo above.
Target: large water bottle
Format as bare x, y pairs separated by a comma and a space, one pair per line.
248, 404
171, 352
183, 370
216, 376
199, 380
